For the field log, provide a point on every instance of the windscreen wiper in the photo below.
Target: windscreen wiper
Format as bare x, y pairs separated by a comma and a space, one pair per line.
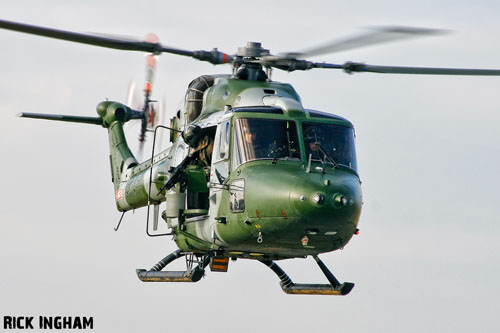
328, 157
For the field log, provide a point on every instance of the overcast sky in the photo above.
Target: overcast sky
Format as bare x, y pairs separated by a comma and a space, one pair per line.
427, 257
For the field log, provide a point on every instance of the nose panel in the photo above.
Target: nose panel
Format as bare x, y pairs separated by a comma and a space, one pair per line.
288, 191
268, 192
327, 200
286, 204
293, 209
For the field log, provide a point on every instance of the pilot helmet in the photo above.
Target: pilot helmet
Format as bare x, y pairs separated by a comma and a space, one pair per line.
314, 134
192, 135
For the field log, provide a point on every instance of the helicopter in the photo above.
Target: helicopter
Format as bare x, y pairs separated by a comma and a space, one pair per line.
251, 173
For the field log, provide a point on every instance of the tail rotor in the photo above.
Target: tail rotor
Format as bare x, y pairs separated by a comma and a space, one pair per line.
147, 107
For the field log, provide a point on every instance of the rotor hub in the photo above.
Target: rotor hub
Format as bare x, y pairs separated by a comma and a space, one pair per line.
252, 50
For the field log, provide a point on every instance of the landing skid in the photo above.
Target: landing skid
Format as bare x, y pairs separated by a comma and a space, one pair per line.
155, 274
334, 288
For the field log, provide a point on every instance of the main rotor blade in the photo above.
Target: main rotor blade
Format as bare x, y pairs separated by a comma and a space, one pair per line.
113, 43
351, 67
61, 117
215, 57
377, 36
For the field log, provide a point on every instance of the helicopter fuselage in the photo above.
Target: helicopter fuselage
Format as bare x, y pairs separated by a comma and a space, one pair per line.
276, 204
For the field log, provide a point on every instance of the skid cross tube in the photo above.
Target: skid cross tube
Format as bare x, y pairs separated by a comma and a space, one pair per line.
289, 287
155, 274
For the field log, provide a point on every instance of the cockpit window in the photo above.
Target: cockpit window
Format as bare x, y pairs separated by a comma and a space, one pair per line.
334, 141
258, 138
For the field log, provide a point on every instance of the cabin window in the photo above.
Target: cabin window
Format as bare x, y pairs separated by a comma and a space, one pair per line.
260, 138
220, 162
224, 141
237, 193
325, 142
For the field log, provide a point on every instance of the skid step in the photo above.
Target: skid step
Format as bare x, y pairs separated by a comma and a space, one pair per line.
170, 276
317, 289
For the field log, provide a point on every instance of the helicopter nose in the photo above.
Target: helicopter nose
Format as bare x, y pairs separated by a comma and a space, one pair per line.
287, 201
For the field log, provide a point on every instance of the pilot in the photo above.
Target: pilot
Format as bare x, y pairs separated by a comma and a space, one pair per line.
313, 137
253, 144
249, 136
205, 148
201, 143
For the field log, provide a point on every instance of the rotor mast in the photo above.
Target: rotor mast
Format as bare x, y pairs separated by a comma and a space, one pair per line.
247, 63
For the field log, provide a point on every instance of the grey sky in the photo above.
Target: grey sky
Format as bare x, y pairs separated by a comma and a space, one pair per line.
427, 256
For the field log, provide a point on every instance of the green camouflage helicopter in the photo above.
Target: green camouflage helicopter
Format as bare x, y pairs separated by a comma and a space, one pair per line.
250, 173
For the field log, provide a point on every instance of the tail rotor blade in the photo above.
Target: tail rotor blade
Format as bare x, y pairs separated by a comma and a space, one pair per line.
140, 150
150, 73
161, 118
147, 109
131, 98
150, 68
